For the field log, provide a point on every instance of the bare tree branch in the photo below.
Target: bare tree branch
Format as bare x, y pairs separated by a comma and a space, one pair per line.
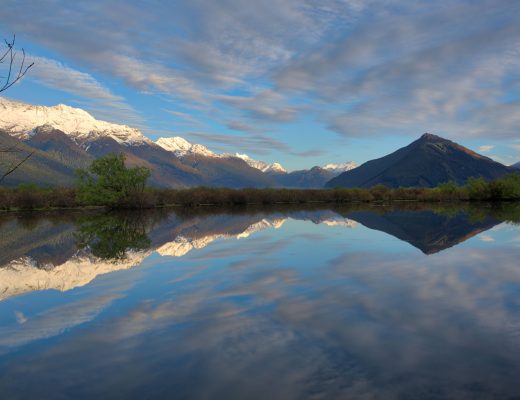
10, 56
15, 166
13, 75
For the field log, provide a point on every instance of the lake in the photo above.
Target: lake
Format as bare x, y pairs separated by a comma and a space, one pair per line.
282, 303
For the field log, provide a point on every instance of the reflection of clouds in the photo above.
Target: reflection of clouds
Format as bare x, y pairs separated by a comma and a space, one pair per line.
25, 274
243, 319
54, 322
361, 326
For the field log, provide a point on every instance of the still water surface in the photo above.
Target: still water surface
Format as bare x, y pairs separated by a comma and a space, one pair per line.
261, 304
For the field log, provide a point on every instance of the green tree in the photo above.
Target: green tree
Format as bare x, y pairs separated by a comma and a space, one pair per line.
110, 183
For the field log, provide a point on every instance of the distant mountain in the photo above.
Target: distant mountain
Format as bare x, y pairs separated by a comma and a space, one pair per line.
315, 177
261, 165
339, 168
427, 162
66, 138
43, 167
181, 147
516, 166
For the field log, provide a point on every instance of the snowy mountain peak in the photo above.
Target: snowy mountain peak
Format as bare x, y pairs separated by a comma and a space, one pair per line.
277, 167
180, 147
342, 167
21, 119
261, 165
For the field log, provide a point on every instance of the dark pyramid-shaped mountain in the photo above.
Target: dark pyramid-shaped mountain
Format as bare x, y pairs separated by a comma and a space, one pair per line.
426, 230
427, 162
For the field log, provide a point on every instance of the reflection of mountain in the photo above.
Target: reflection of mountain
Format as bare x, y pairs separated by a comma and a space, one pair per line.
64, 252
62, 255
23, 276
428, 231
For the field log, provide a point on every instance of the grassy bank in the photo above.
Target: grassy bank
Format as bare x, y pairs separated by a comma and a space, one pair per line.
32, 197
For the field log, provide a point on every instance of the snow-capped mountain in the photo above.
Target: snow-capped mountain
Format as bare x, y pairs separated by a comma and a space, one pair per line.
21, 119
339, 168
261, 165
67, 138
180, 147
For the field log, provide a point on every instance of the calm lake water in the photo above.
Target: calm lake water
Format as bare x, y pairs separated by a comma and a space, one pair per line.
373, 303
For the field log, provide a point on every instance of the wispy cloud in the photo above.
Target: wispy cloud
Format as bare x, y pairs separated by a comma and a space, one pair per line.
59, 76
485, 148
358, 68
257, 144
188, 119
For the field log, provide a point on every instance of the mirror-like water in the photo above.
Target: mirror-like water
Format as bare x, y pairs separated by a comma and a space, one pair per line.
374, 303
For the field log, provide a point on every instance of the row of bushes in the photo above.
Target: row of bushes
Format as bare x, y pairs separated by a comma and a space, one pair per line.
32, 197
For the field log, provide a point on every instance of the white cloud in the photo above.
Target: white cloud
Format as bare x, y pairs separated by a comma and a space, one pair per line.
485, 148
59, 76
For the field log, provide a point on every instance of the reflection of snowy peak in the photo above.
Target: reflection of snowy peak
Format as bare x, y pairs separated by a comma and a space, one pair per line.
25, 274
183, 245
20, 120
261, 225
344, 222
22, 275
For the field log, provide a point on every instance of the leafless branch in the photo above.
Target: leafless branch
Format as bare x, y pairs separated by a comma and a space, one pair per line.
15, 166
13, 74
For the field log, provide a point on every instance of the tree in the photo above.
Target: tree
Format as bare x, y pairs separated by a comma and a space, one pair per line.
13, 73
110, 183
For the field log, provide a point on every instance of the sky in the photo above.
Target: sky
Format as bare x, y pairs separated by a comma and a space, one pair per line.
298, 82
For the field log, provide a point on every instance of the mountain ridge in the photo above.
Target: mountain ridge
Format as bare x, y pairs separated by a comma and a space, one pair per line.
73, 137
426, 162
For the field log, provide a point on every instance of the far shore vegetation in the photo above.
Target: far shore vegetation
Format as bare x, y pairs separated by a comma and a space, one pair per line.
109, 183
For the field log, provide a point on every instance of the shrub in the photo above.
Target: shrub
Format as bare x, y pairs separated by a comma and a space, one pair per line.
110, 183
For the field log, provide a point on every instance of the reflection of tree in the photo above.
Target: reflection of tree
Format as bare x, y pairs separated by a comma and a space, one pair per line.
111, 236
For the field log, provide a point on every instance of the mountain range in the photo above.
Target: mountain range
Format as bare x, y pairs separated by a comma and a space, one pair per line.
65, 138
62, 139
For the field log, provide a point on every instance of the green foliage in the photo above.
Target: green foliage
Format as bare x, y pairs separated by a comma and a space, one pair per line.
477, 188
109, 182
448, 187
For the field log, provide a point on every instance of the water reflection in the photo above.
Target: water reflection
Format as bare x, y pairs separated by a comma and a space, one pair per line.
112, 236
282, 304
64, 251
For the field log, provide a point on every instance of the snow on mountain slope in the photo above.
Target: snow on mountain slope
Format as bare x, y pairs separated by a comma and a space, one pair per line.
261, 165
181, 147
339, 168
21, 119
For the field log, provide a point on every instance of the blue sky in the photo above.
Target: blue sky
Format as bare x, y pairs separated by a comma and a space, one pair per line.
299, 82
